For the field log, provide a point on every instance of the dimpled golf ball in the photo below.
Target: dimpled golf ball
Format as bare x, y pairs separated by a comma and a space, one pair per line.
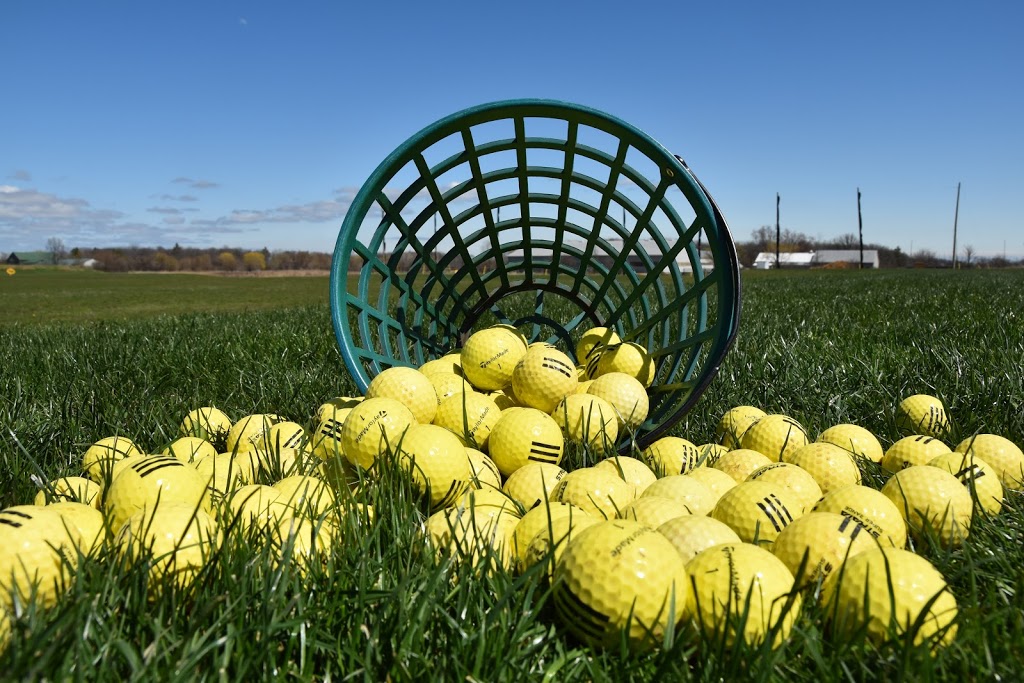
483, 471
532, 523
450, 363
776, 436
797, 480
533, 483
693, 534
469, 416
887, 588
922, 414
626, 394
488, 502
629, 358
327, 437
620, 578
543, 377
731, 580
437, 461
464, 535
99, 458
979, 477
757, 511
251, 432
76, 489
408, 386
548, 544
32, 539
178, 539
598, 492
221, 473
671, 455
250, 505
593, 340
818, 543
854, 439
912, 450
490, 356
741, 463
588, 419
208, 423
151, 482
869, 508
691, 493
447, 384
523, 436
716, 481
734, 423
653, 511
285, 435
374, 427
999, 452
629, 469
301, 542
710, 453
930, 498
831, 466
85, 525
305, 496
337, 407
189, 448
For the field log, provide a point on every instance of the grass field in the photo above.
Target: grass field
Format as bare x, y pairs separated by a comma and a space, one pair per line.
141, 351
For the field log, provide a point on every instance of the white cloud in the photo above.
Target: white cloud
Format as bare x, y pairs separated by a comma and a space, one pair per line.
196, 184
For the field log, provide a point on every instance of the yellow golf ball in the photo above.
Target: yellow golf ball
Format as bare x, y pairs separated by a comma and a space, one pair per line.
854, 439
797, 480
593, 340
543, 377
671, 455
190, 448
653, 511
629, 358
978, 476
408, 386
922, 414
776, 436
374, 427
818, 543
469, 416
716, 481
251, 432
32, 539
757, 511
912, 450
588, 419
99, 458
999, 452
179, 540
598, 492
483, 471
620, 577
151, 482
626, 394
740, 463
693, 534
888, 588
437, 461
490, 356
731, 580
932, 498
533, 483
523, 436
629, 469
869, 508
689, 492
734, 423
831, 466
208, 423
75, 489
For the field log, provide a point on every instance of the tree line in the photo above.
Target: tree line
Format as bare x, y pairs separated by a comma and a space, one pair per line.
190, 259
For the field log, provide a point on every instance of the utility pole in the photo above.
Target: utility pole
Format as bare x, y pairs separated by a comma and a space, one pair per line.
860, 230
777, 230
956, 215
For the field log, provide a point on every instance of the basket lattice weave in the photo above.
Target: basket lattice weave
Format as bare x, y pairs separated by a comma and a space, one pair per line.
549, 216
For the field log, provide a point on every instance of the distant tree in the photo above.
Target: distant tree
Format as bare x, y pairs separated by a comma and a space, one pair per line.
847, 241
202, 262
76, 253
227, 261
969, 253
55, 247
254, 260
164, 261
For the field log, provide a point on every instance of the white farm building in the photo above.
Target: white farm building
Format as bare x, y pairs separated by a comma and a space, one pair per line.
809, 259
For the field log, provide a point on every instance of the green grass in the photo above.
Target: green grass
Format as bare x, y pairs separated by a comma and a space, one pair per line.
824, 347
43, 295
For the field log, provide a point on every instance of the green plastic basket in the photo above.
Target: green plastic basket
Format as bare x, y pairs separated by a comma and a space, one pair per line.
549, 216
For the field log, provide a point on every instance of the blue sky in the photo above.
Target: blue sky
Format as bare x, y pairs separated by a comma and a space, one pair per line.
251, 124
